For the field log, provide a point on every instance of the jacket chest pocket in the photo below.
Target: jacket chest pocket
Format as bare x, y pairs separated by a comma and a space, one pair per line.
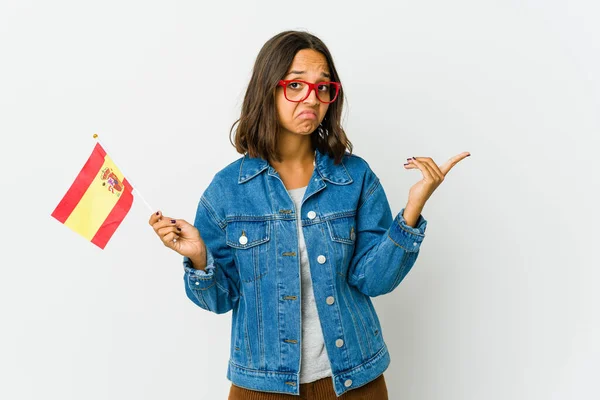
342, 232
250, 241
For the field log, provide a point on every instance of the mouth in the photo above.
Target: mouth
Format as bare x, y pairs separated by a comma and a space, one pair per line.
308, 115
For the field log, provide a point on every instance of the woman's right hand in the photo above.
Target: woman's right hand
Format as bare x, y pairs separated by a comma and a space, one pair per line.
179, 235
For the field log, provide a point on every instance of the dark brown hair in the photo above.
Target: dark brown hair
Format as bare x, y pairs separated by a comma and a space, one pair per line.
257, 132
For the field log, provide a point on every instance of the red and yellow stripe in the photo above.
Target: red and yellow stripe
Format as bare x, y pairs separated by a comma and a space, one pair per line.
89, 207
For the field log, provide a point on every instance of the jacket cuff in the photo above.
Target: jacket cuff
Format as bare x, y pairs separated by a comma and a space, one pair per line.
406, 236
197, 278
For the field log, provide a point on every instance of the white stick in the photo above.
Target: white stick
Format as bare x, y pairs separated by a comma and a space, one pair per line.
144, 200
123, 172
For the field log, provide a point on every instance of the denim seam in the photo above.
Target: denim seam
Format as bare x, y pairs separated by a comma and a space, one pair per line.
402, 247
206, 288
401, 274
380, 353
204, 201
419, 235
362, 352
360, 316
238, 366
370, 192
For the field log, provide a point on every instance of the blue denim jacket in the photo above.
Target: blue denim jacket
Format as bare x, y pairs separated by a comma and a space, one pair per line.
356, 251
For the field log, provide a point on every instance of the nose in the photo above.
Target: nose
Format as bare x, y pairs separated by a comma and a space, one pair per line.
312, 96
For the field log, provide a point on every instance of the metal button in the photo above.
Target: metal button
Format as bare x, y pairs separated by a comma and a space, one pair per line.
348, 383
339, 343
321, 259
414, 243
330, 300
197, 283
312, 214
243, 239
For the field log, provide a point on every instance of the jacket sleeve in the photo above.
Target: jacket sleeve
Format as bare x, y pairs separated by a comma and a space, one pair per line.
385, 249
216, 290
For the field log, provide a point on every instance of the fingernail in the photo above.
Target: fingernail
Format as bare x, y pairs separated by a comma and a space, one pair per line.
407, 159
469, 155
406, 163
414, 158
178, 228
172, 221
157, 213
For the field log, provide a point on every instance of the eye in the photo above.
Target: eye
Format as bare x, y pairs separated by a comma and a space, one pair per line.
295, 85
324, 87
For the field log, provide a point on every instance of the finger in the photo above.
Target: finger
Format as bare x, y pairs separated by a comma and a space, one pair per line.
447, 166
434, 177
432, 167
165, 221
170, 239
154, 218
168, 229
423, 168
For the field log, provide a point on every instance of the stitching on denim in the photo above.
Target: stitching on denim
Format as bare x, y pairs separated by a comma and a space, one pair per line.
238, 366
420, 235
208, 287
333, 271
370, 193
201, 298
380, 353
401, 274
402, 247
204, 201
360, 316
362, 352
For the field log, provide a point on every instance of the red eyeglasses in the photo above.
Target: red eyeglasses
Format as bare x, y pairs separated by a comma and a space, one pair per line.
296, 90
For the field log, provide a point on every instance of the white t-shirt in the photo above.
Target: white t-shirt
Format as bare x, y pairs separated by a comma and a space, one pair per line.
314, 363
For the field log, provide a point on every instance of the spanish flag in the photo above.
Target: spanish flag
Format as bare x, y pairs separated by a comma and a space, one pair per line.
97, 201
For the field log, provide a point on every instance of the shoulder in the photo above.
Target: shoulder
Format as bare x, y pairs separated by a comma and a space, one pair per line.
223, 180
230, 170
358, 167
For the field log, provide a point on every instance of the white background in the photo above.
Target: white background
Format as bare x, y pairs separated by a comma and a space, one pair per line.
502, 302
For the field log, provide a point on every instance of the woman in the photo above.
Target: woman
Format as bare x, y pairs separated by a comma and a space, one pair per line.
297, 235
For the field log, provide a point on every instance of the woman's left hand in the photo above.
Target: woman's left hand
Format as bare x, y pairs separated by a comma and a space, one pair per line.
433, 176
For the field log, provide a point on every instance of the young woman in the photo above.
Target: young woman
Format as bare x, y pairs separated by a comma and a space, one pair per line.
297, 235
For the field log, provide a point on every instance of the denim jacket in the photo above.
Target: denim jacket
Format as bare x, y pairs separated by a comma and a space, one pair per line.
356, 251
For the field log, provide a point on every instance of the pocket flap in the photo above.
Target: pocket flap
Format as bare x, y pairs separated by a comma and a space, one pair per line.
245, 234
342, 229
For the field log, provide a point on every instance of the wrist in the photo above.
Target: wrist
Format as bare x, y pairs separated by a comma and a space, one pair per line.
411, 214
199, 261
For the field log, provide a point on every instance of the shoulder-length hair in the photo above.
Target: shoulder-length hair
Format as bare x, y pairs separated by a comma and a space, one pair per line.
257, 130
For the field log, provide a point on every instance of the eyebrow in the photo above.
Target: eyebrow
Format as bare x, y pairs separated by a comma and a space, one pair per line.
323, 74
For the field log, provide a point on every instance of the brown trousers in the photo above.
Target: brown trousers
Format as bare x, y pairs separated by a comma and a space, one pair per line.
321, 389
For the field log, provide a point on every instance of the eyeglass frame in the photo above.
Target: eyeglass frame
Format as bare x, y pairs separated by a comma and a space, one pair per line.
311, 86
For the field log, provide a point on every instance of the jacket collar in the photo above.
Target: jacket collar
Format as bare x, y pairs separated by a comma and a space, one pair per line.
337, 174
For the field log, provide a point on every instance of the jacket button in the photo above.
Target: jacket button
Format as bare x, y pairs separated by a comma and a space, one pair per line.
321, 259
339, 343
348, 383
243, 239
312, 214
330, 300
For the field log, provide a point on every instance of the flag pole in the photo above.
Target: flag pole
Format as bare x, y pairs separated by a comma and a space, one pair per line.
134, 186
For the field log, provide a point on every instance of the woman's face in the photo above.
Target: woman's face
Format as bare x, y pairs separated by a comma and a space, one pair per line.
303, 117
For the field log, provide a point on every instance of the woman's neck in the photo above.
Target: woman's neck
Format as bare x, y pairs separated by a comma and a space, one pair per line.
295, 153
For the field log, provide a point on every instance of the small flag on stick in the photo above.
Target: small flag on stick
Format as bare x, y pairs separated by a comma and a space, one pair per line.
97, 201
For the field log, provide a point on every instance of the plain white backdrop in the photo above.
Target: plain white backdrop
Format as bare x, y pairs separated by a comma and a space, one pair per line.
502, 302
